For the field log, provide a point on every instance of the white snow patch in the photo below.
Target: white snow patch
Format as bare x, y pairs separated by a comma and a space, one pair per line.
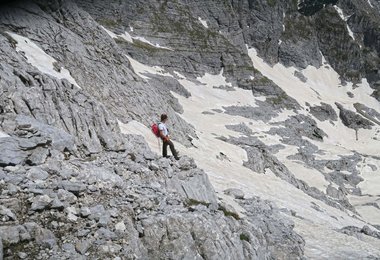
322, 243
316, 226
309, 175
137, 128
370, 177
126, 36
150, 43
366, 206
2, 134
231, 173
203, 22
323, 85
370, 214
110, 33
344, 18
39, 59
142, 69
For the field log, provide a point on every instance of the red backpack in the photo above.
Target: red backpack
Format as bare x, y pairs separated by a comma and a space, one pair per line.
155, 130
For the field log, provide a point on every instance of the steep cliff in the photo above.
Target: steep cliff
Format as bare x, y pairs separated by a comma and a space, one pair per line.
273, 106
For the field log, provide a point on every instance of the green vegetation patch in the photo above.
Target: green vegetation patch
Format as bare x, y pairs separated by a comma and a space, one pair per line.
244, 237
108, 22
229, 213
271, 3
194, 202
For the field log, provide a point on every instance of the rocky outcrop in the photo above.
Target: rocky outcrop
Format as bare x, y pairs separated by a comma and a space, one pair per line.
352, 119
131, 204
74, 187
310, 7
324, 112
59, 27
261, 158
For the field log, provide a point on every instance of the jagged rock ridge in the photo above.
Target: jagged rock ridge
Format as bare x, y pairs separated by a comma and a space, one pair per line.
95, 66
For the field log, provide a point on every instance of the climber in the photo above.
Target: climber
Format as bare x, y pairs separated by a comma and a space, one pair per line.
164, 134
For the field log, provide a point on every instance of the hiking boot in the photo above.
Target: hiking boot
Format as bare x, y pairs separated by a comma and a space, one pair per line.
177, 158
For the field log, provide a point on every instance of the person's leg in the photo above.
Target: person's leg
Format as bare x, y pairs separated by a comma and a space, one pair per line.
164, 149
172, 149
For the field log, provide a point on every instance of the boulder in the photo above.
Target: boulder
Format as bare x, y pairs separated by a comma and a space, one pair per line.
82, 246
41, 202
236, 193
45, 238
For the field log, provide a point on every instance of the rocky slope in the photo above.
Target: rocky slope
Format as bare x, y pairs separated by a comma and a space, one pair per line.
275, 101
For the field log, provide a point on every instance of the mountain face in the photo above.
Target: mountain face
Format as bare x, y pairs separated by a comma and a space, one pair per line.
273, 105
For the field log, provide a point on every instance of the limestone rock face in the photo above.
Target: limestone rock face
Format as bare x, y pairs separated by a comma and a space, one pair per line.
171, 211
74, 185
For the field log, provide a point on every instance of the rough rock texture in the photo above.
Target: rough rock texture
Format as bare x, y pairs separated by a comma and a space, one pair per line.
163, 208
72, 186
261, 158
107, 77
324, 112
353, 120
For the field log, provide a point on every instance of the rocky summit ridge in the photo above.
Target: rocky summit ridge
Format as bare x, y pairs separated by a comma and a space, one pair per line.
274, 106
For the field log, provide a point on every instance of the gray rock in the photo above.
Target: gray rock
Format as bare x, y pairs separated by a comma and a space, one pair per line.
31, 227
120, 227
193, 185
66, 196
369, 113
358, 232
153, 166
97, 211
7, 213
11, 152
13, 234
83, 232
110, 248
85, 212
299, 75
12, 189
68, 247
335, 193
104, 233
82, 246
1, 248
73, 187
236, 193
38, 156
78, 127
186, 163
22, 255
352, 119
41, 202
36, 173
324, 112
45, 238
149, 155
104, 220
57, 204
71, 214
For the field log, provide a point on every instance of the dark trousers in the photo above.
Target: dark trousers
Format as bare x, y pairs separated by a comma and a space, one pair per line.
165, 148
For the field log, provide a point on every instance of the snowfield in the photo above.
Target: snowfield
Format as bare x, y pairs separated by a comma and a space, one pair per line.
319, 227
39, 59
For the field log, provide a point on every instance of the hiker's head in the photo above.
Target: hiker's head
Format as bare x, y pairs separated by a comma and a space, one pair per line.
164, 118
